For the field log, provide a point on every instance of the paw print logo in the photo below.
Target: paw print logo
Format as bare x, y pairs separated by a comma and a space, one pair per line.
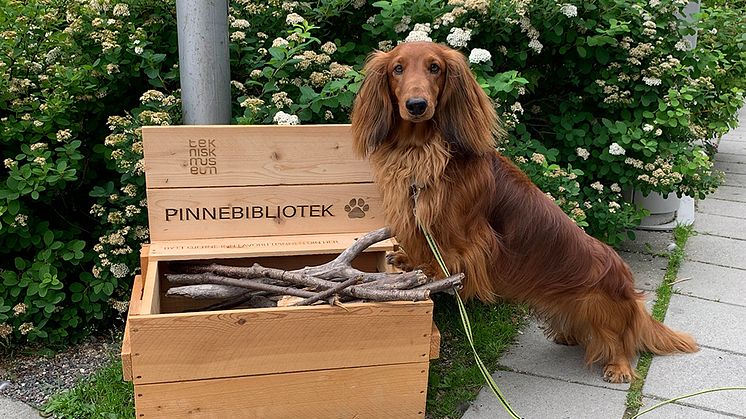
356, 208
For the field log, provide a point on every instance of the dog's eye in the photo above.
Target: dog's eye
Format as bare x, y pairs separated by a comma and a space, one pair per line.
434, 68
398, 69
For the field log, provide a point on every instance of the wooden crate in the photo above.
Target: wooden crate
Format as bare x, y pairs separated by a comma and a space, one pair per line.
285, 197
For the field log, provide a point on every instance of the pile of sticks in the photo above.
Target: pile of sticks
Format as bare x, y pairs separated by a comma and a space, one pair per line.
333, 283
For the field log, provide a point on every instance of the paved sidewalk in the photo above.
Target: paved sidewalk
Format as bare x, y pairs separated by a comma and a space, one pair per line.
547, 381
12, 409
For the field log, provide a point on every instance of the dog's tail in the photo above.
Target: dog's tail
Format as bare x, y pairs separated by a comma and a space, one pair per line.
658, 338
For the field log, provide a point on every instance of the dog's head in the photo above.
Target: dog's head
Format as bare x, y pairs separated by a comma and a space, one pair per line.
423, 83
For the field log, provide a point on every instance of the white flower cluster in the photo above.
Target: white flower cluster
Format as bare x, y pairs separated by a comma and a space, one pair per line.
597, 186
252, 103
294, 19
240, 24
329, 48
418, 36
582, 153
282, 118
536, 45
119, 270
616, 150
279, 42
458, 37
569, 10
652, 81
281, 99
479, 55
403, 24
683, 45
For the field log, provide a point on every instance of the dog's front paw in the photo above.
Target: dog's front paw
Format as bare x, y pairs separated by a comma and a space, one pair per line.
616, 373
561, 339
399, 260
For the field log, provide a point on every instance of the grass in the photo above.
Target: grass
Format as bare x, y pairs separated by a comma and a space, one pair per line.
455, 379
681, 236
103, 395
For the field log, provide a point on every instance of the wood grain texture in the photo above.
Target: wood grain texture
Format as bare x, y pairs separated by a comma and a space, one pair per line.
132, 310
151, 301
389, 391
200, 213
262, 246
192, 346
435, 342
144, 255
199, 156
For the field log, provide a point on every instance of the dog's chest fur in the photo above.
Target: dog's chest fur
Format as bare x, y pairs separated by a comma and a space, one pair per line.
400, 170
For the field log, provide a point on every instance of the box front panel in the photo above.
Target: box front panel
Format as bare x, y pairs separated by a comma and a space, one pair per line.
192, 346
389, 391
194, 213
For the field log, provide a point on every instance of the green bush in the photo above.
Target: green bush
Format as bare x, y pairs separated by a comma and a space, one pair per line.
64, 65
597, 97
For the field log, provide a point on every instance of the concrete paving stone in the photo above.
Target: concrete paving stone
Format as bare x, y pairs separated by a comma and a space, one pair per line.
719, 225
735, 179
677, 375
717, 250
739, 158
17, 410
712, 282
648, 269
731, 147
728, 168
711, 323
533, 353
721, 207
546, 398
731, 193
676, 411
650, 242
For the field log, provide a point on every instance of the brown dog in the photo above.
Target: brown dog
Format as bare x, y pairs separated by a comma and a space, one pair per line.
429, 131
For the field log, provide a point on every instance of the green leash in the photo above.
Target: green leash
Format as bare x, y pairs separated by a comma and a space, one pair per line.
467, 329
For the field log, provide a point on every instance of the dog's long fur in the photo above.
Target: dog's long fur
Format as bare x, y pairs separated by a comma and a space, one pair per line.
491, 221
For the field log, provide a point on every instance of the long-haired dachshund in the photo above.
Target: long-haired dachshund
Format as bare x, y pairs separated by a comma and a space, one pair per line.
429, 131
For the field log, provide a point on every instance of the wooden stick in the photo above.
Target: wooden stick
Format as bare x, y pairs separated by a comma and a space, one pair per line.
328, 293
194, 279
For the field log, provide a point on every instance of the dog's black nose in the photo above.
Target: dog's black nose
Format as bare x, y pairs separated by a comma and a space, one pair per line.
416, 106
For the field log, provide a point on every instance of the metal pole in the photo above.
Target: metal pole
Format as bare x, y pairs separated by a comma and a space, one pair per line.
204, 65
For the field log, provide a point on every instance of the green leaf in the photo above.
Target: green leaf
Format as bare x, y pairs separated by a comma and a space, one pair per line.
20, 263
14, 207
48, 237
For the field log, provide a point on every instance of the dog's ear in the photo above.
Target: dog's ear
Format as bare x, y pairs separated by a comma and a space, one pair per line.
465, 115
373, 111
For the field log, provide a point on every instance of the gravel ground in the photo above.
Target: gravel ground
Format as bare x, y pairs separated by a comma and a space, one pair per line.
32, 379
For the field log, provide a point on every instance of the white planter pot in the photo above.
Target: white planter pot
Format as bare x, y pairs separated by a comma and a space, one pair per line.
663, 211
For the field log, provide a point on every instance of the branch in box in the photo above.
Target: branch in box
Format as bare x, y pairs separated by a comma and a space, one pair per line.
329, 282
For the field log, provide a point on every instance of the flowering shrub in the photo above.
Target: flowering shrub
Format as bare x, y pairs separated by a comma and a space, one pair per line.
597, 97
63, 67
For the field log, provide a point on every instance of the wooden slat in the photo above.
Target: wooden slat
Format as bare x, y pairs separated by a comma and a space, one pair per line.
310, 244
190, 346
435, 342
250, 155
222, 212
151, 302
144, 255
390, 391
133, 309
